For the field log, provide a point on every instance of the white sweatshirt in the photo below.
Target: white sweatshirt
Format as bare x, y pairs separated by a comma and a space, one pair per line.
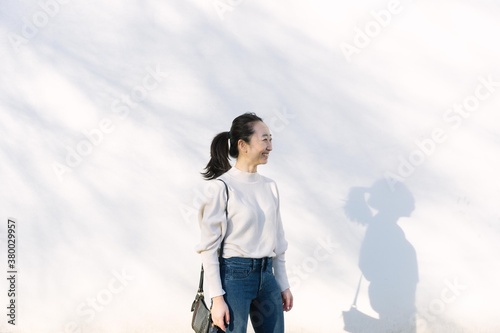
253, 228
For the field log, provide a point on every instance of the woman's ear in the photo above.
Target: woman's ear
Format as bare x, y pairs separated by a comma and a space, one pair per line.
242, 146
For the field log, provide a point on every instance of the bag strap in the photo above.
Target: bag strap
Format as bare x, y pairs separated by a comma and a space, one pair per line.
200, 285
227, 200
357, 292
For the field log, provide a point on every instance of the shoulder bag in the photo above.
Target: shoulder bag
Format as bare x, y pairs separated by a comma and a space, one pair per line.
202, 319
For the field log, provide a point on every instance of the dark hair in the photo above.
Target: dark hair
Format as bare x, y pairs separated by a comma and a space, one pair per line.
221, 149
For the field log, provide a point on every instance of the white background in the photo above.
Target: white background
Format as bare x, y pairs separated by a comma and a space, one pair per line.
125, 206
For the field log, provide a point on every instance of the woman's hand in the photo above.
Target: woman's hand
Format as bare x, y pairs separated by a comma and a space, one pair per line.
220, 312
287, 297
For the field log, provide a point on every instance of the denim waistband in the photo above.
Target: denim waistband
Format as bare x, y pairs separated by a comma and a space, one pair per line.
251, 262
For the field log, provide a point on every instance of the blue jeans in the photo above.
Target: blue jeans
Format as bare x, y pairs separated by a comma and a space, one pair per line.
251, 290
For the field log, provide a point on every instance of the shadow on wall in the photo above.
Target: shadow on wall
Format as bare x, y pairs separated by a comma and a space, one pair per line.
387, 259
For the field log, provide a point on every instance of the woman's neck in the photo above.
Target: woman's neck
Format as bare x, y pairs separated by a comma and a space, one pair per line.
245, 167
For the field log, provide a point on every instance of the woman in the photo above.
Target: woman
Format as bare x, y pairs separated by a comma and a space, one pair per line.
249, 277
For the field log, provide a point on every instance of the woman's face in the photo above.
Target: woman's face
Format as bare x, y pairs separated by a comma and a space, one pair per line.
257, 151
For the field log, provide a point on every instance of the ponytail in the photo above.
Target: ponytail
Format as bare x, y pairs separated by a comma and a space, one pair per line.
225, 145
219, 157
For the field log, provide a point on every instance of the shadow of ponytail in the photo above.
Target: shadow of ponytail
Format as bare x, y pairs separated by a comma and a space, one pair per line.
356, 208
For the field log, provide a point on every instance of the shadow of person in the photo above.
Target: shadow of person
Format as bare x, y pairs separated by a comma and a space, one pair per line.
387, 259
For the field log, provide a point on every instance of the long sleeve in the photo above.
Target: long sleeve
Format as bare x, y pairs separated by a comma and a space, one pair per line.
213, 226
279, 262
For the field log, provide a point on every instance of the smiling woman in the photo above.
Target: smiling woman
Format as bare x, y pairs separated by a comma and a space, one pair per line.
243, 242
257, 150
241, 133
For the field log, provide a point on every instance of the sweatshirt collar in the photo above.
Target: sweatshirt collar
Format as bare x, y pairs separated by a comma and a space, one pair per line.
243, 176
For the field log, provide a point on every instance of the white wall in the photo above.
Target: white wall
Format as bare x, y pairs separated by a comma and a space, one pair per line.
106, 238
